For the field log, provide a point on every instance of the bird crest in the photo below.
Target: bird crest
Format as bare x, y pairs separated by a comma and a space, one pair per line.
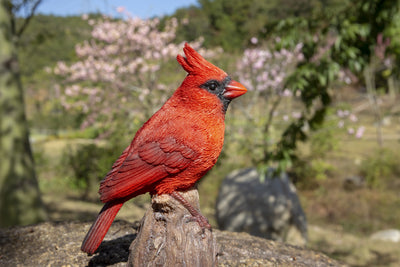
195, 64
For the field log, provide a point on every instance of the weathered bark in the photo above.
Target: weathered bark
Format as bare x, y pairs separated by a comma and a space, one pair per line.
20, 201
168, 236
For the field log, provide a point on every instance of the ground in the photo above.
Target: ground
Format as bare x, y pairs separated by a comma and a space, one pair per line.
333, 240
58, 244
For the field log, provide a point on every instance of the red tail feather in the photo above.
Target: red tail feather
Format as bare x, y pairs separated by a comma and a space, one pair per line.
99, 229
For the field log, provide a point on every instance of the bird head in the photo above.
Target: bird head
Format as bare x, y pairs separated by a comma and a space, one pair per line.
205, 80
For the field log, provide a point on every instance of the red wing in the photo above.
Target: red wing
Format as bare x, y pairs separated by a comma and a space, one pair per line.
118, 163
135, 172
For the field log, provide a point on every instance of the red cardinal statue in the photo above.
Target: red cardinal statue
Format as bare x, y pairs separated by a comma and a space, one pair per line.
174, 148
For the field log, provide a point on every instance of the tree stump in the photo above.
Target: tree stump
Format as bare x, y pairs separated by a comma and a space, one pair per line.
168, 237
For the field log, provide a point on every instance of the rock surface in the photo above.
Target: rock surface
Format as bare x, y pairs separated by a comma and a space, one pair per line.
392, 235
261, 208
58, 244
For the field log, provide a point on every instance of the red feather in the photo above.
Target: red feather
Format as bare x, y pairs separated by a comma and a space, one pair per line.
135, 172
174, 148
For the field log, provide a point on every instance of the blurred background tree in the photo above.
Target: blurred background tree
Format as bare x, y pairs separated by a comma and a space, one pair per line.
20, 200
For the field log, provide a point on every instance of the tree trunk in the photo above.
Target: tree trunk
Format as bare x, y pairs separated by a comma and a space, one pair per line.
20, 201
167, 236
369, 74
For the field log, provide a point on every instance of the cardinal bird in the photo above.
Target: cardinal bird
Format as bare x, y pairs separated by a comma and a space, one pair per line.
174, 148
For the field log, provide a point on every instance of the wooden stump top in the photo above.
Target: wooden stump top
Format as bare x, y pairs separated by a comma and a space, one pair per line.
168, 236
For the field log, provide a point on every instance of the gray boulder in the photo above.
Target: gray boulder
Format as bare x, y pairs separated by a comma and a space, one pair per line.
262, 208
392, 235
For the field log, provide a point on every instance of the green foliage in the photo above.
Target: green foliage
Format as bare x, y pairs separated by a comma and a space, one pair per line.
49, 39
324, 141
193, 23
231, 24
358, 31
380, 168
87, 133
330, 41
227, 20
88, 164
320, 169
310, 172
313, 169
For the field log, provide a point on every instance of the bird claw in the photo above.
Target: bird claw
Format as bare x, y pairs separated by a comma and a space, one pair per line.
196, 215
202, 221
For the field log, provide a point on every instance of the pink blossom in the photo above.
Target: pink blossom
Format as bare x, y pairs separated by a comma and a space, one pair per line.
258, 64
298, 47
300, 57
265, 70
118, 64
254, 40
342, 113
353, 118
121, 9
61, 68
185, 21
360, 132
287, 93
68, 91
296, 114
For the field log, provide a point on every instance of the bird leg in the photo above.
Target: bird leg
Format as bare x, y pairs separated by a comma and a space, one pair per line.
197, 216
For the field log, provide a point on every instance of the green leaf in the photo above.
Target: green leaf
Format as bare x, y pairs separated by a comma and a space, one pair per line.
322, 80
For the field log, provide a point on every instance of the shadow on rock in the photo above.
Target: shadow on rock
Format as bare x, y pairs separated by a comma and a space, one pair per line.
113, 251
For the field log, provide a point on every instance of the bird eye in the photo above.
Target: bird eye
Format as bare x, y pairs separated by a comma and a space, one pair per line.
213, 86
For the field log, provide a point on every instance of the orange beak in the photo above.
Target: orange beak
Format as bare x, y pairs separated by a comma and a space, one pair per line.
233, 90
